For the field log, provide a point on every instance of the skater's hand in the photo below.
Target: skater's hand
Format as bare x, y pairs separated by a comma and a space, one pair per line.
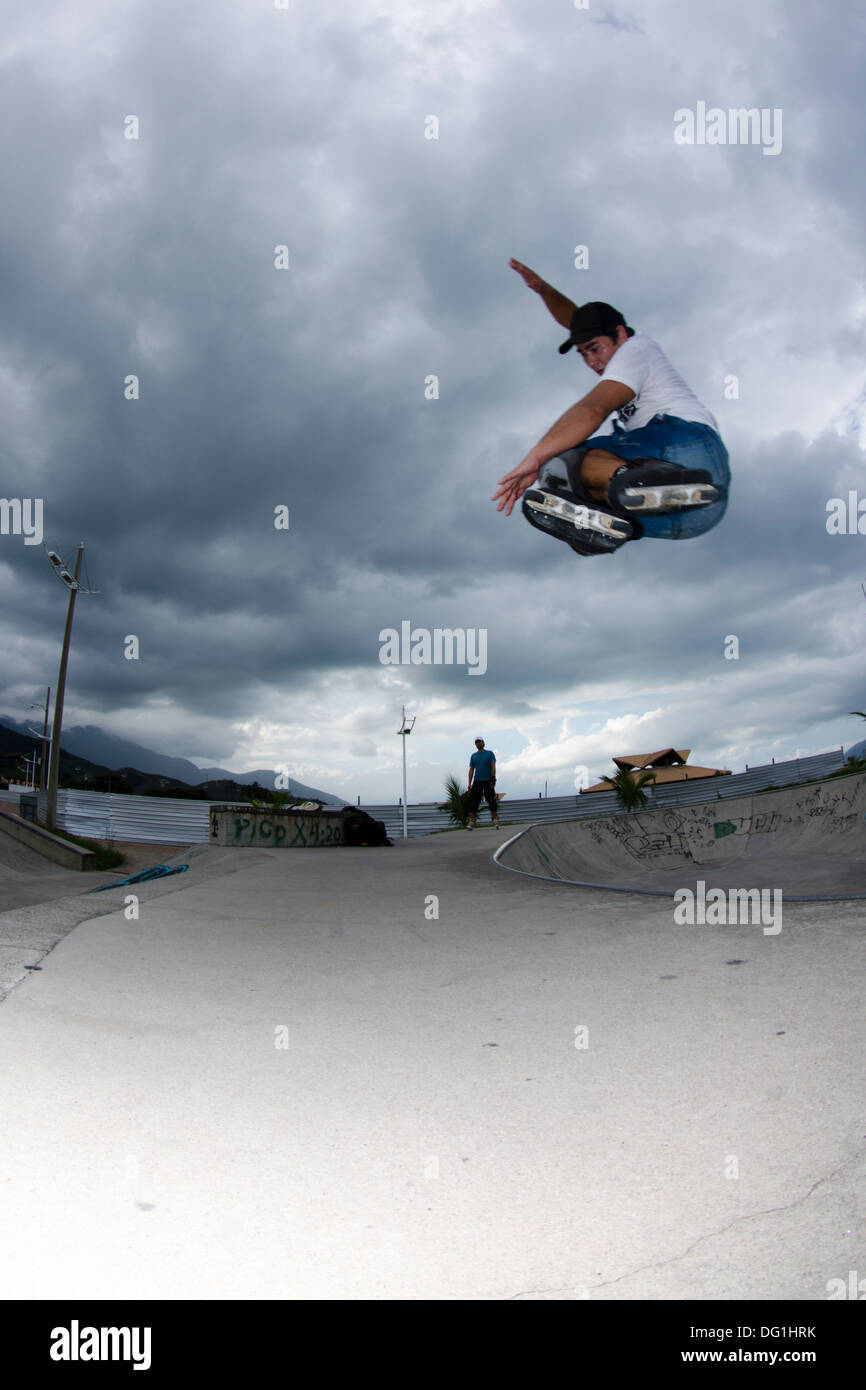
515, 483
534, 281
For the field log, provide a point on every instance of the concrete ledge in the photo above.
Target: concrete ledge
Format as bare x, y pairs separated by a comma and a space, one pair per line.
275, 828
50, 846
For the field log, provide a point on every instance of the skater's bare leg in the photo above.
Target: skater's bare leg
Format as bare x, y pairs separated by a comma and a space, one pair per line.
596, 470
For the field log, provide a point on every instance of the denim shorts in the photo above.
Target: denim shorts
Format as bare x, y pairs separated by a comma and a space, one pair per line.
686, 442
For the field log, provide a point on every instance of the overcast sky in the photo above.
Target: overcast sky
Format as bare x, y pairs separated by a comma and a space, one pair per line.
304, 387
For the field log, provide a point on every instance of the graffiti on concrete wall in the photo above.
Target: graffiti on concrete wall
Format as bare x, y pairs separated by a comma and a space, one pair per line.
763, 823
279, 832
654, 835
649, 836
840, 802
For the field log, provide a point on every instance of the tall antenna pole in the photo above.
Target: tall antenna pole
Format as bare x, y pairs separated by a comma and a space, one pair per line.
43, 762
405, 807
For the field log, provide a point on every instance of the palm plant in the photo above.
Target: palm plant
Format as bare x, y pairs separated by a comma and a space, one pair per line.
273, 801
456, 802
629, 787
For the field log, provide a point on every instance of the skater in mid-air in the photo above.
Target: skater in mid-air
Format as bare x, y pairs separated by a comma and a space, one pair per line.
663, 471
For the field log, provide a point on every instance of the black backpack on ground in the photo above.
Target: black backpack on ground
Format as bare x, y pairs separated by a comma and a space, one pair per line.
361, 829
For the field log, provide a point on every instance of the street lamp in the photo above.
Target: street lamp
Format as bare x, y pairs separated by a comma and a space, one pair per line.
72, 584
406, 727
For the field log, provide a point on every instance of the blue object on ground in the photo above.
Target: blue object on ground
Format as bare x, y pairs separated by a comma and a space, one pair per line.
158, 871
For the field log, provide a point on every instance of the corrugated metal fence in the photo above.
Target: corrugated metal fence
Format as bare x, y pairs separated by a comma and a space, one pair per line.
160, 820
166, 820
422, 820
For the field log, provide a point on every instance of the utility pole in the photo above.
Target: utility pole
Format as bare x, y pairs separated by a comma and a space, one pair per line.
30, 769
71, 582
43, 761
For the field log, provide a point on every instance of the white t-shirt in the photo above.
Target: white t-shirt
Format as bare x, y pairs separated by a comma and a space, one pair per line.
658, 389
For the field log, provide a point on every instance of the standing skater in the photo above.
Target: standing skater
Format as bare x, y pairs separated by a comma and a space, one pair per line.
663, 471
482, 782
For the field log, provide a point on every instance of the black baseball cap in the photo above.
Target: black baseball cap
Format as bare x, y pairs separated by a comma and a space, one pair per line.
591, 320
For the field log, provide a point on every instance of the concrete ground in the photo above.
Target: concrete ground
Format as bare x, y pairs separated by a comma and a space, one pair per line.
29, 883
403, 1073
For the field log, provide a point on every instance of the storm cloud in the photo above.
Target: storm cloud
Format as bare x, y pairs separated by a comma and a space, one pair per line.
304, 378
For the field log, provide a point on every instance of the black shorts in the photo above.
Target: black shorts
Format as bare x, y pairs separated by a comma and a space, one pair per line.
488, 791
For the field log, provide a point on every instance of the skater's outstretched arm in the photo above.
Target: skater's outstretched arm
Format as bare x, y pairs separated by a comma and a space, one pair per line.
560, 307
582, 419
579, 422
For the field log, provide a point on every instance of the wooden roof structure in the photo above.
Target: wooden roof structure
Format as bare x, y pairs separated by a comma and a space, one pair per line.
668, 764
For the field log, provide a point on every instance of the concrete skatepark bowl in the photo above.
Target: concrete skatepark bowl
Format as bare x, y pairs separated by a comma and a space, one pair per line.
809, 842
287, 1076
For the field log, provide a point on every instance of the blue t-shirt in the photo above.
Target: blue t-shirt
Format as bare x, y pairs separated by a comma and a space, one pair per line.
483, 764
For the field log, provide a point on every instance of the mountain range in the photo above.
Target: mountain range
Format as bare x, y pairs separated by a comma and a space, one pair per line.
142, 768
